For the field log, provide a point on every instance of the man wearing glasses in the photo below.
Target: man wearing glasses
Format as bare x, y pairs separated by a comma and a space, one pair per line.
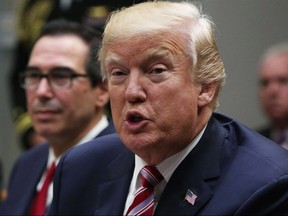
66, 100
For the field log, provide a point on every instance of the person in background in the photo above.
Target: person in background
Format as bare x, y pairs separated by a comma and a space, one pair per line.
31, 16
172, 154
273, 93
66, 99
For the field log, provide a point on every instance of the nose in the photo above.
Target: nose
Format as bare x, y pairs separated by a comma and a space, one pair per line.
273, 87
135, 88
44, 89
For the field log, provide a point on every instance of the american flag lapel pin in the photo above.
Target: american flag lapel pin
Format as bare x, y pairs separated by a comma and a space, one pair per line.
190, 197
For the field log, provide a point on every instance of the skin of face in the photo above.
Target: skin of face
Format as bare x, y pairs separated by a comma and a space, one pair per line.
273, 75
157, 107
63, 117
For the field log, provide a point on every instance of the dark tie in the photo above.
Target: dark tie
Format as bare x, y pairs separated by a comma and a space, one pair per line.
143, 203
39, 203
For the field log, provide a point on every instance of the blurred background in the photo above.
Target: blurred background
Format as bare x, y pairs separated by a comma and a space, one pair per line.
244, 29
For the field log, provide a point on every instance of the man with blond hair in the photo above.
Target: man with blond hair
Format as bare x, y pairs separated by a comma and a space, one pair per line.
172, 154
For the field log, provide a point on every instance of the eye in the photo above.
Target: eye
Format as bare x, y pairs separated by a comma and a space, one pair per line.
283, 81
263, 83
158, 70
33, 73
59, 73
117, 73
158, 73
117, 76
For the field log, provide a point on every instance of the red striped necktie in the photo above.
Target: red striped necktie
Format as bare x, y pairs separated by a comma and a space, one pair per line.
143, 203
39, 203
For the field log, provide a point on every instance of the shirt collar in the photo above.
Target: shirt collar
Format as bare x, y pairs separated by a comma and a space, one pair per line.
168, 166
96, 130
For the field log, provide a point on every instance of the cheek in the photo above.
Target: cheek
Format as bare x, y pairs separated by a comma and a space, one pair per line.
117, 102
175, 105
30, 98
263, 95
79, 96
285, 92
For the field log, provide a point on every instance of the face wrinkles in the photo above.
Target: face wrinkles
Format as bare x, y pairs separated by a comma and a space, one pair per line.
153, 98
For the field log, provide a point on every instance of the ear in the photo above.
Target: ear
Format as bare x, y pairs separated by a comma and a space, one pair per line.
207, 94
101, 95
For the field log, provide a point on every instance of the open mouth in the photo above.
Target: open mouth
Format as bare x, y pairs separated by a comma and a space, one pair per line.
134, 117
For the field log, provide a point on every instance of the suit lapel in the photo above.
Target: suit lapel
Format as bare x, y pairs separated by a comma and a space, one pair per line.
112, 193
198, 172
30, 175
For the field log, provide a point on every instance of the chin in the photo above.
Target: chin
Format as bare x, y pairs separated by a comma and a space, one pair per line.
45, 131
138, 142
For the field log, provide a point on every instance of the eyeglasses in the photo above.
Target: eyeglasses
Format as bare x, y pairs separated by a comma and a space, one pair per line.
59, 78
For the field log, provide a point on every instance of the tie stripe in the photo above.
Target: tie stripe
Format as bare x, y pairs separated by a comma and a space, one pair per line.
143, 203
150, 177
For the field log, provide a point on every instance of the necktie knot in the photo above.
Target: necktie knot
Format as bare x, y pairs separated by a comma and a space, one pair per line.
150, 176
143, 203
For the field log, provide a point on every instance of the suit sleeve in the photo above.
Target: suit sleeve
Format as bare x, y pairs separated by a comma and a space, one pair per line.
272, 199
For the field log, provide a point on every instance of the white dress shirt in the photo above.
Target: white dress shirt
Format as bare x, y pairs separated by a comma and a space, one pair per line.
166, 168
100, 126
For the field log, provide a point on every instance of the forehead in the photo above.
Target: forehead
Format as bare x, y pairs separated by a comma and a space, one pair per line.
275, 65
58, 50
144, 46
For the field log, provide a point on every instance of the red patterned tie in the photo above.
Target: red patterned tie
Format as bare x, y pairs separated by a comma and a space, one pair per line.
143, 203
39, 203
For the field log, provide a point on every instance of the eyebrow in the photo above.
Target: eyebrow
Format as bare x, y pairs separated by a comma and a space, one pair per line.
53, 68
156, 53
112, 59
32, 67
150, 54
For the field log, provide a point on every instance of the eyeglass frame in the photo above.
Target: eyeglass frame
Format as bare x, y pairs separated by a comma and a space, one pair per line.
73, 75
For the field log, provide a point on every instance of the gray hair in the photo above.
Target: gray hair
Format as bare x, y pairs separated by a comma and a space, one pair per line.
277, 49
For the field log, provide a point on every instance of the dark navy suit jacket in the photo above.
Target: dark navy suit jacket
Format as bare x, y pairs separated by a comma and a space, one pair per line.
232, 170
25, 176
265, 131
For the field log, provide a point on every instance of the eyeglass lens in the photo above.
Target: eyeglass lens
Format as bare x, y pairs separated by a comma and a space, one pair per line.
59, 78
